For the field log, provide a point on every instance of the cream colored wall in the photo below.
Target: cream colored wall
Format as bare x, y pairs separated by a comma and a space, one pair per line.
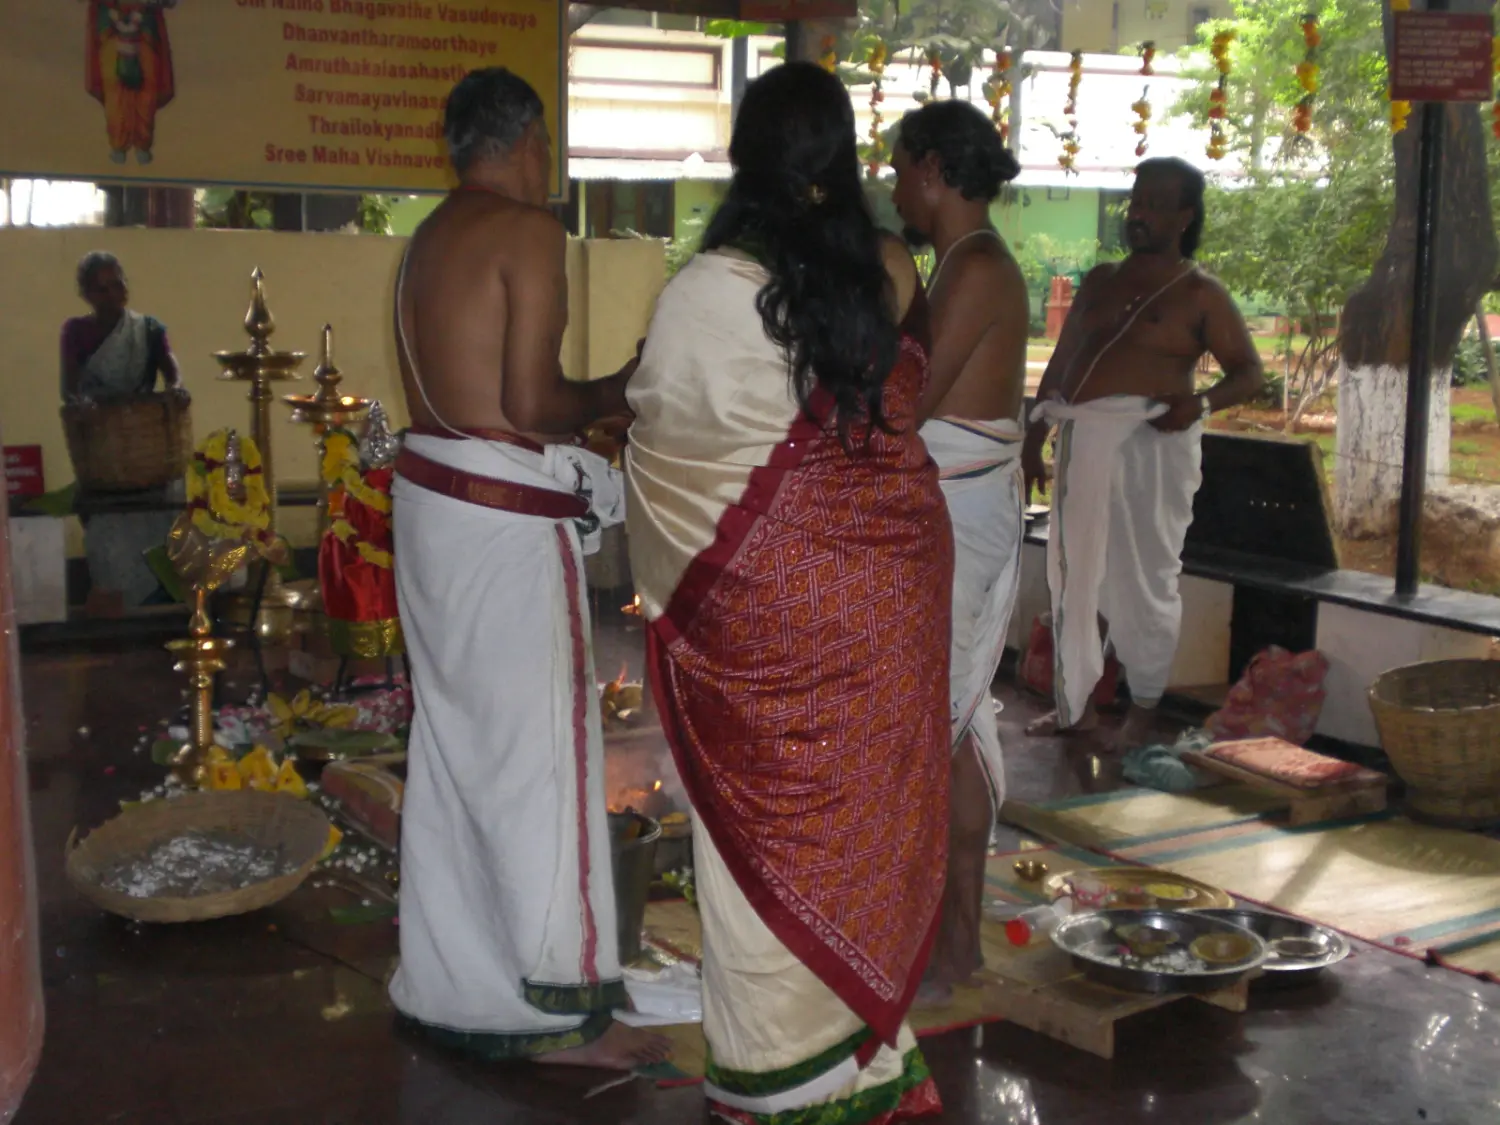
197, 284
1118, 25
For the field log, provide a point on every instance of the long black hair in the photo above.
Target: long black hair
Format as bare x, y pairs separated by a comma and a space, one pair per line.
797, 204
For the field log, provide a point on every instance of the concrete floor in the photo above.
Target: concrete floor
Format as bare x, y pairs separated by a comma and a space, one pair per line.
280, 1017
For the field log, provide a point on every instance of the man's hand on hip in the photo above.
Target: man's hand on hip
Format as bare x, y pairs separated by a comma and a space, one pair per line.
1182, 412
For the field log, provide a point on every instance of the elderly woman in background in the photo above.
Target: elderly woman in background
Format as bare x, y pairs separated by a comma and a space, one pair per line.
117, 353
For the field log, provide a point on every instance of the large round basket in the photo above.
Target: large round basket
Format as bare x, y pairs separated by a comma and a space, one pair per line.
125, 445
1440, 724
268, 819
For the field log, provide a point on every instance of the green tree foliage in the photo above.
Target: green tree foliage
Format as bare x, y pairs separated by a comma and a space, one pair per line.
1308, 221
955, 32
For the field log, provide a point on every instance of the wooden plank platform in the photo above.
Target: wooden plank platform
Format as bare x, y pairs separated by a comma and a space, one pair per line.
1360, 795
1038, 988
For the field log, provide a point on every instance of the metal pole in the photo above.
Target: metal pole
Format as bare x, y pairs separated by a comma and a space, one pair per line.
739, 73
796, 41
1423, 328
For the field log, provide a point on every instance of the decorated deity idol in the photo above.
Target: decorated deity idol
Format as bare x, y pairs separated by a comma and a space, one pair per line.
354, 559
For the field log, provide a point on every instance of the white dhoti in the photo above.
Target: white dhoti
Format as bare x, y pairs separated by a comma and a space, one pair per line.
1122, 503
981, 479
508, 934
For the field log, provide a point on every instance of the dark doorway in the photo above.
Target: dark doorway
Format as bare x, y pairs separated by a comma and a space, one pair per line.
613, 207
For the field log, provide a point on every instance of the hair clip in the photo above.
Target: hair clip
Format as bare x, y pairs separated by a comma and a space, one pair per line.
816, 195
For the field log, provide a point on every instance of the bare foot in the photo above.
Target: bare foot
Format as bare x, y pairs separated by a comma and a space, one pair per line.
1135, 731
619, 1048
1049, 726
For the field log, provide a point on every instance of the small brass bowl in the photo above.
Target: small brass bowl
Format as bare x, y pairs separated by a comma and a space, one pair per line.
1030, 869
1222, 948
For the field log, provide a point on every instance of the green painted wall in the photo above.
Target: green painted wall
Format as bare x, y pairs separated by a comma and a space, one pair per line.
408, 212
695, 203
1074, 219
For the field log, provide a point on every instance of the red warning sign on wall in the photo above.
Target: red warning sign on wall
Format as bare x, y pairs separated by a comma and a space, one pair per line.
1442, 57
23, 471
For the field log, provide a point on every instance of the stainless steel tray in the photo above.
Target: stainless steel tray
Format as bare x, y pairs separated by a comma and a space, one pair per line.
1094, 941
1287, 962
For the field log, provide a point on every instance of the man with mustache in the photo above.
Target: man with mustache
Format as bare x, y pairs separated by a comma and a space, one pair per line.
1120, 391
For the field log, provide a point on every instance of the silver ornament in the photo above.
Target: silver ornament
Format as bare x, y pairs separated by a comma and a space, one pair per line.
378, 446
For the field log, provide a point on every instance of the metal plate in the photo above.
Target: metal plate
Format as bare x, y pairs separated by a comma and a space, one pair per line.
1284, 963
1188, 894
1092, 940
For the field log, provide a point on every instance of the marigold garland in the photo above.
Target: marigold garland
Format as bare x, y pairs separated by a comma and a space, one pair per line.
828, 57
1400, 111
997, 92
1142, 107
876, 61
341, 469
1068, 160
215, 512
936, 64
1307, 74
1218, 142
344, 531
1142, 120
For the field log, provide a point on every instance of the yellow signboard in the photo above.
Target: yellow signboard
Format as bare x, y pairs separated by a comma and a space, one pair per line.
297, 95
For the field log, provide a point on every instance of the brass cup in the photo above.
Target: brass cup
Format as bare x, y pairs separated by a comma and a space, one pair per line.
1029, 870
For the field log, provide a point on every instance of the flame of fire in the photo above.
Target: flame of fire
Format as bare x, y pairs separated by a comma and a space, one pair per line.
656, 788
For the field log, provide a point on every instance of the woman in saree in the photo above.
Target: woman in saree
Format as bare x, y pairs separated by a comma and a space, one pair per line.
117, 353
793, 557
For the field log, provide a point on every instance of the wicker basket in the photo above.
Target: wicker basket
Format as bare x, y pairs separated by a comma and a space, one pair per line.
268, 819
125, 445
1440, 724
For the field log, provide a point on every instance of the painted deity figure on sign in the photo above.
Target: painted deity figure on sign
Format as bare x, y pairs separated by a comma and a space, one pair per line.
129, 70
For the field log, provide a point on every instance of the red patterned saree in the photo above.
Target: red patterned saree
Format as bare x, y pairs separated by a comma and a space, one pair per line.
797, 595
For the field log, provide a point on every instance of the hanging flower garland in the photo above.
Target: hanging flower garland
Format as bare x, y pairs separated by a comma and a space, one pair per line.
1068, 160
1142, 120
1401, 110
876, 61
828, 58
1307, 74
937, 70
997, 93
1142, 107
1218, 142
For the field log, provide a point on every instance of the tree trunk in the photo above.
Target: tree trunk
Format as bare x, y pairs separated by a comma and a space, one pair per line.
1491, 369
1375, 332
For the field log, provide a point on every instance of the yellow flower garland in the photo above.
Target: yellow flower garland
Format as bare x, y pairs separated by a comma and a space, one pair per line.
215, 512
341, 468
344, 531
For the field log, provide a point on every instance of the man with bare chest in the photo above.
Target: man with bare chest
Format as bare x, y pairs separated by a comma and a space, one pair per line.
1119, 389
950, 165
508, 934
